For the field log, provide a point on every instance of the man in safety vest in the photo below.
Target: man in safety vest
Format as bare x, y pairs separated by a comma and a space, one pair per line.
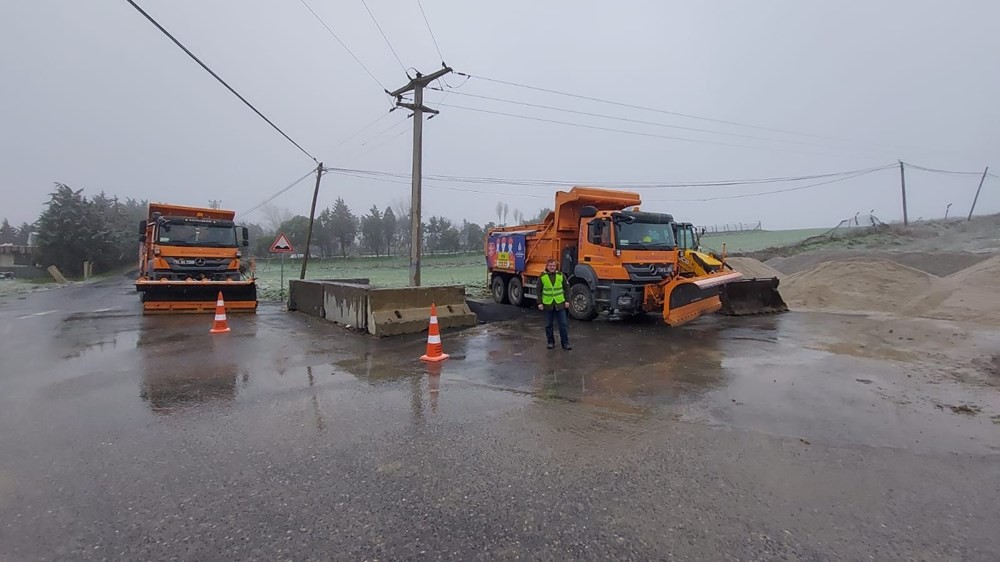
554, 301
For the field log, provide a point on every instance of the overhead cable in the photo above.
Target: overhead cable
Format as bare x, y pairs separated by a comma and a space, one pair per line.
217, 77
936, 171
431, 31
344, 45
623, 131
625, 119
279, 192
401, 65
786, 190
657, 110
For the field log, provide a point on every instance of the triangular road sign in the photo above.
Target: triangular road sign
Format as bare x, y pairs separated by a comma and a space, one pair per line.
282, 245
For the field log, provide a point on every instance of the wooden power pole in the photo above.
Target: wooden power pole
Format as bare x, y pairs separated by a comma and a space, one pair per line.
902, 185
417, 85
978, 189
312, 218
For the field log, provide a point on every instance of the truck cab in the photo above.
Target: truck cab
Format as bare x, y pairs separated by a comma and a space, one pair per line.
618, 253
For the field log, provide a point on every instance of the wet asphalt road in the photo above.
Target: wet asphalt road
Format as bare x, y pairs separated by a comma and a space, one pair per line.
797, 436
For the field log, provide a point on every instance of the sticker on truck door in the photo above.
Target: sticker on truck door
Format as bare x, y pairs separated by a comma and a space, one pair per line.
505, 251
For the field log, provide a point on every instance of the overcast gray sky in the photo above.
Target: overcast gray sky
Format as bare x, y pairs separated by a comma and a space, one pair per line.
94, 96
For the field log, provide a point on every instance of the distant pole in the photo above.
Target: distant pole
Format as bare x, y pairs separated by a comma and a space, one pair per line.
902, 185
312, 215
417, 85
978, 189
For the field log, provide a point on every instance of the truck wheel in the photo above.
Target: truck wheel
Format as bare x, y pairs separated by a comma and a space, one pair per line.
581, 302
515, 291
499, 288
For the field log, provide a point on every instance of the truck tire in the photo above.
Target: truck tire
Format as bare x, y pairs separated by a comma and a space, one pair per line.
515, 291
499, 288
581, 302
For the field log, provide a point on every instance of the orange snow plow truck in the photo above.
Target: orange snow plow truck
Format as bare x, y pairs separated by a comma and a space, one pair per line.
617, 259
187, 255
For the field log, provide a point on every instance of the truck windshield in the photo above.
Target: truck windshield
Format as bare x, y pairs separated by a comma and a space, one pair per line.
188, 234
644, 236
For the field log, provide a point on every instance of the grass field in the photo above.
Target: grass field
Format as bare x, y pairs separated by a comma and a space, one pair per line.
470, 269
460, 269
754, 240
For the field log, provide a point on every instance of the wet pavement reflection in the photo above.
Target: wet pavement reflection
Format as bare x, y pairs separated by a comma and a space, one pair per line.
125, 436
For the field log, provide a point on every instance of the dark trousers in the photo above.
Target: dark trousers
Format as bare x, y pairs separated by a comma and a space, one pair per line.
552, 315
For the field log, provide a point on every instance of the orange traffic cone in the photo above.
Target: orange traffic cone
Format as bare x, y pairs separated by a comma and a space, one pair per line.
221, 326
434, 351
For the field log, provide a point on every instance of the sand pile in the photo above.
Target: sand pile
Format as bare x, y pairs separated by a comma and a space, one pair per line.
856, 285
971, 295
750, 267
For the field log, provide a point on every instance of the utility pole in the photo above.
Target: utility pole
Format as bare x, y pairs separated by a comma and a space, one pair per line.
902, 184
417, 85
312, 215
978, 189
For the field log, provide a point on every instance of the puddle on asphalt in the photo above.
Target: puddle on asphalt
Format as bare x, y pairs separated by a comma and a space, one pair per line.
117, 341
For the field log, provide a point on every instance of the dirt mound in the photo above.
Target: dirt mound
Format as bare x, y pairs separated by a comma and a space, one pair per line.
935, 263
750, 267
969, 295
855, 285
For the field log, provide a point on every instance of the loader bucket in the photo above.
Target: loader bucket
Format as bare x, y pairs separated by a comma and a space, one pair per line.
751, 296
176, 297
688, 299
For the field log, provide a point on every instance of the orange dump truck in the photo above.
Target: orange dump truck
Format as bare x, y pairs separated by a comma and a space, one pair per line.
187, 255
617, 259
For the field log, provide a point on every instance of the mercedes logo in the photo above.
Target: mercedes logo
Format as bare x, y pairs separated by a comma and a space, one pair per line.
652, 269
199, 261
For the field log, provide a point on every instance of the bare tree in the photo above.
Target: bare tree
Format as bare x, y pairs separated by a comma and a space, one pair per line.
505, 209
500, 212
276, 216
518, 216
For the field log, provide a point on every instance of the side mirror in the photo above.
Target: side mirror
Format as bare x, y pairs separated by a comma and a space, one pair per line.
246, 236
142, 231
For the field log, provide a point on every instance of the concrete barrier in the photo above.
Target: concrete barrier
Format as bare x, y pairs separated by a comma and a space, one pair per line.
306, 296
380, 312
407, 310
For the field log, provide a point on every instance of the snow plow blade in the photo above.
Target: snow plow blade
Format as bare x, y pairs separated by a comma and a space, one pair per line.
691, 299
178, 297
751, 296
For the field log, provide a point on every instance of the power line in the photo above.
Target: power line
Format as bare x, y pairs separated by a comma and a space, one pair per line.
657, 110
365, 128
936, 171
797, 188
639, 121
217, 77
279, 192
430, 186
627, 185
431, 31
344, 45
598, 128
401, 65
386, 141
360, 149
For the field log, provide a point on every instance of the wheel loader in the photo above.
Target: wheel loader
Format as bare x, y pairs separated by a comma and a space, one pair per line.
618, 260
738, 298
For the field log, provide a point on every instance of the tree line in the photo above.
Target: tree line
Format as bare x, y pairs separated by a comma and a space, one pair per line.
74, 228
338, 231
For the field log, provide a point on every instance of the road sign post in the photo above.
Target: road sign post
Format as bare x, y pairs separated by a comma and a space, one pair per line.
282, 246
